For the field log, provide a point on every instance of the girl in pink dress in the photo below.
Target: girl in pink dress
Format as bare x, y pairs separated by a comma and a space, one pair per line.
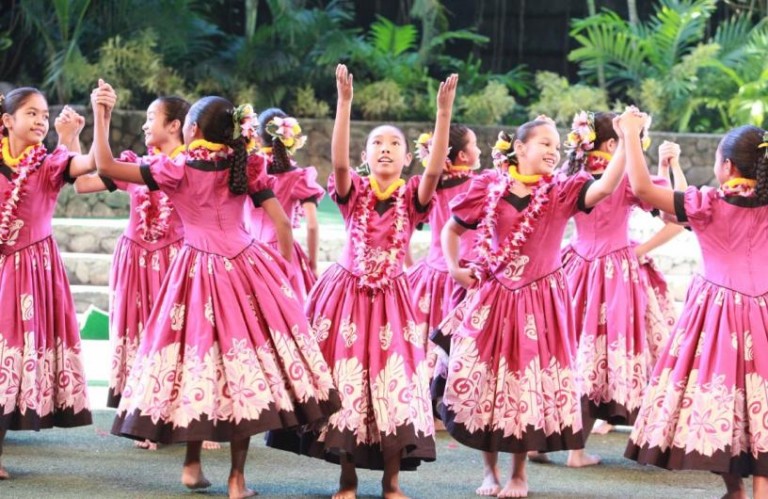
42, 382
227, 350
706, 407
609, 294
296, 189
510, 384
148, 245
360, 308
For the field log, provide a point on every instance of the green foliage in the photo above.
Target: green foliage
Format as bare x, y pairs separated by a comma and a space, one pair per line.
560, 101
134, 68
308, 106
486, 107
381, 100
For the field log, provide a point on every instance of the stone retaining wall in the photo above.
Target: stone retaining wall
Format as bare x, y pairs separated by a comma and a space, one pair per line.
697, 158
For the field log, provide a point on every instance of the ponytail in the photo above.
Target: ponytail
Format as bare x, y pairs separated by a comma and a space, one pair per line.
280, 160
238, 177
761, 170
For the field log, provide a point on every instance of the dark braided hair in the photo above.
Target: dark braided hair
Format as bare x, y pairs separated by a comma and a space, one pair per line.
281, 162
15, 99
214, 117
603, 132
458, 138
741, 146
174, 108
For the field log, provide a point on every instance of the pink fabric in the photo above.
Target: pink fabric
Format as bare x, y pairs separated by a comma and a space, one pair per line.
610, 303
510, 382
42, 381
376, 350
706, 406
291, 188
138, 269
227, 351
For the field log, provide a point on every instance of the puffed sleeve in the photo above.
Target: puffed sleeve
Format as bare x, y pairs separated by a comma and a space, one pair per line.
694, 206
572, 192
306, 189
467, 208
260, 184
162, 173
56, 164
346, 203
634, 200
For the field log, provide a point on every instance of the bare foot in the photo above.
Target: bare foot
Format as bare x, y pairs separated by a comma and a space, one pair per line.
4, 475
193, 478
603, 429
237, 488
538, 457
209, 445
580, 459
394, 494
490, 485
515, 487
349, 492
145, 444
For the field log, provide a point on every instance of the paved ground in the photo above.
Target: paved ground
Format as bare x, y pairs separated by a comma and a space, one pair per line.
89, 463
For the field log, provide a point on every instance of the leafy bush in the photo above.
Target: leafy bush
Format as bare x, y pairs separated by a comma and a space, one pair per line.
560, 101
487, 107
381, 100
307, 104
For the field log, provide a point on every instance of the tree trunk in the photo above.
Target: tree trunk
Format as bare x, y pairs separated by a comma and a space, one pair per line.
251, 16
634, 19
592, 9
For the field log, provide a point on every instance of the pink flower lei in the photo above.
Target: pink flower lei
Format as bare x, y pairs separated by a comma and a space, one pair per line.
375, 266
509, 250
32, 159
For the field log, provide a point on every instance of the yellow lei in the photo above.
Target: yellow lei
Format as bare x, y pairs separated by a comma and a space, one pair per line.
601, 154
204, 144
8, 159
525, 179
383, 196
459, 168
739, 181
178, 150
266, 150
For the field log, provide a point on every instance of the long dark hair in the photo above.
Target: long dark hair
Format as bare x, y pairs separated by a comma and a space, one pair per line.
15, 99
457, 140
281, 162
214, 117
742, 146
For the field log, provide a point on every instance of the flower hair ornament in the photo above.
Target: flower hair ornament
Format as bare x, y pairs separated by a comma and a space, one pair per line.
246, 125
762, 145
424, 149
581, 138
287, 129
503, 153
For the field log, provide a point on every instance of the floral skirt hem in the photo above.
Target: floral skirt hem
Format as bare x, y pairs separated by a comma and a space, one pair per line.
31, 420
612, 412
414, 447
722, 461
141, 427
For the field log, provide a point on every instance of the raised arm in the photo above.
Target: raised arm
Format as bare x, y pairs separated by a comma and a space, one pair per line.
69, 124
446, 94
85, 184
103, 99
607, 183
630, 124
340, 139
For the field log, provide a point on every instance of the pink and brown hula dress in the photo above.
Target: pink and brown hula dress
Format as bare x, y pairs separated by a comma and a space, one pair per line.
706, 407
42, 380
510, 383
227, 350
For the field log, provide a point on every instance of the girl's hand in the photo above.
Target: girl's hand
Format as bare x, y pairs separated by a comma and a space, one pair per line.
617, 127
103, 98
69, 123
344, 83
632, 121
669, 154
465, 277
446, 94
